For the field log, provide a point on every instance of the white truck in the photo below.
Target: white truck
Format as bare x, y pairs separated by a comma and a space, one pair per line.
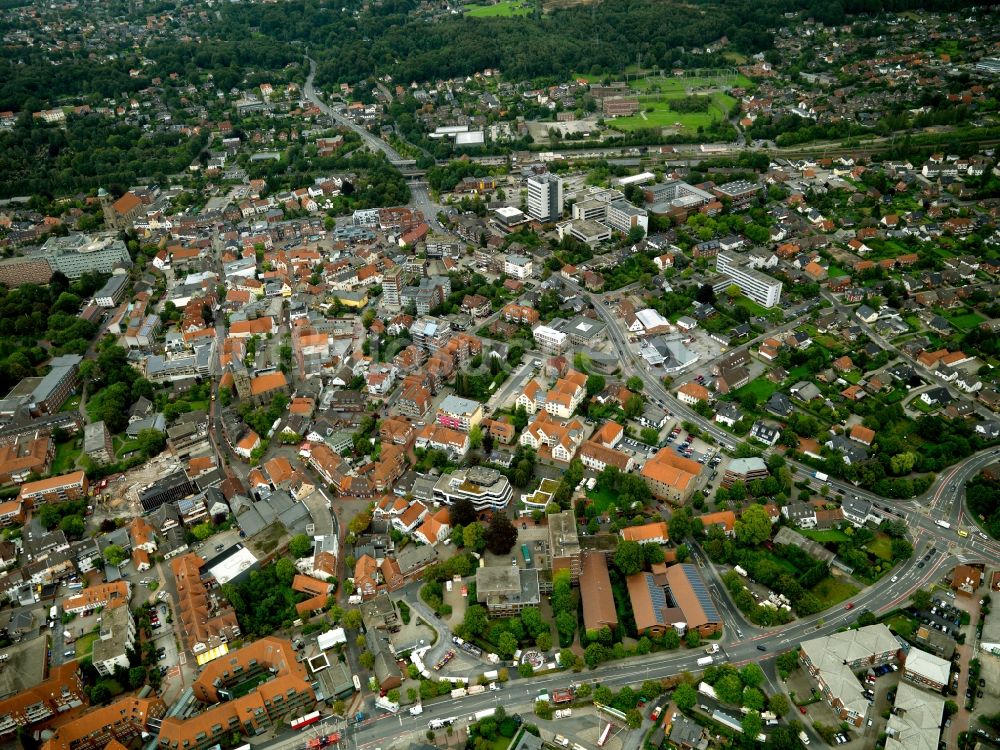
476, 689
385, 703
713, 648
803, 738
416, 710
459, 692
704, 661
492, 675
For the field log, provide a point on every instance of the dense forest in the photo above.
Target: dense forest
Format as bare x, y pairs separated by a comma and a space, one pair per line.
386, 39
39, 158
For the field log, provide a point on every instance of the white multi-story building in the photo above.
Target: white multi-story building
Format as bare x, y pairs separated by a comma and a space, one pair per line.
550, 340
625, 217
517, 266
757, 286
487, 489
545, 197
117, 638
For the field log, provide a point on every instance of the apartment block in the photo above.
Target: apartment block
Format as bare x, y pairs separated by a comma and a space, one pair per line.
757, 286
71, 486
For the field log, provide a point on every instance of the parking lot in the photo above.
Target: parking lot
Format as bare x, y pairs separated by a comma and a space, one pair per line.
943, 616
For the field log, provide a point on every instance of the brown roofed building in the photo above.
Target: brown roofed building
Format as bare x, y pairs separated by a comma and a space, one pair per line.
108, 727
595, 590
265, 387
28, 454
206, 619
966, 580
61, 691
669, 476
284, 696
71, 486
108, 595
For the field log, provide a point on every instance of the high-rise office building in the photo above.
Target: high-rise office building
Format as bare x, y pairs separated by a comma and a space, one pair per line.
545, 197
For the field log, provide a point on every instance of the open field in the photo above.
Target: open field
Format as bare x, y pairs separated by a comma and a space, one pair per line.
505, 8
966, 322
881, 547
831, 591
825, 535
684, 85
655, 112
760, 387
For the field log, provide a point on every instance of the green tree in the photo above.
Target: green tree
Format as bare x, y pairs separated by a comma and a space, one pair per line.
475, 620
685, 696
921, 599
628, 557
633, 406
603, 695
474, 537
300, 546
752, 724
525, 670
633, 717
753, 699
729, 689
202, 531
752, 675
151, 442
754, 526
671, 639
115, 555
72, 526
136, 677
595, 384
778, 704
634, 384
366, 660
594, 655
501, 535
787, 662
652, 554
506, 645
352, 619
692, 638
476, 437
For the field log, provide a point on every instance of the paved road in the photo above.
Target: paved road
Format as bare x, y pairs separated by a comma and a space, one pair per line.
372, 141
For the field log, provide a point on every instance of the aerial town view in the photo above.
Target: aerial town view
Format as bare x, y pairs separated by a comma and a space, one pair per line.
499, 375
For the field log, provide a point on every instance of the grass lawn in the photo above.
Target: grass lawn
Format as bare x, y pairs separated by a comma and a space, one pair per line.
881, 547
85, 644
602, 498
122, 445
247, 686
505, 8
835, 271
681, 85
662, 116
756, 310
762, 388
802, 372
824, 535
831, 591
920, 406
66, 454
72, 404
967, 321
902, 625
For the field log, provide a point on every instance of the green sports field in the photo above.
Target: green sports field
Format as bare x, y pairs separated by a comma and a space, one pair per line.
505, 8
655, 112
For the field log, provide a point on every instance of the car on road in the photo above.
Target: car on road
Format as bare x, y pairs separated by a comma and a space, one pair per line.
219, 547
893, 579
802, 710
920, 564
761, 647
850, 605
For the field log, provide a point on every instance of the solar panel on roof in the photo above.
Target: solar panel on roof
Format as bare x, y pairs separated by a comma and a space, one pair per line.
701, 592
658, 597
